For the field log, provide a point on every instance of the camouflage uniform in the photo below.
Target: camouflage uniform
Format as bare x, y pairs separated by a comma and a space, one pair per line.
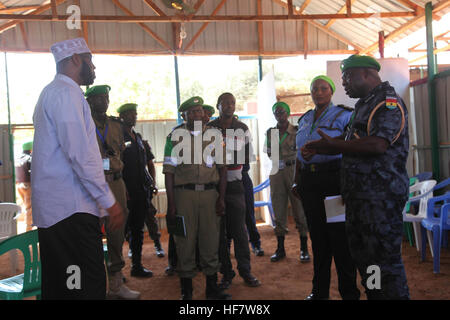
375, 190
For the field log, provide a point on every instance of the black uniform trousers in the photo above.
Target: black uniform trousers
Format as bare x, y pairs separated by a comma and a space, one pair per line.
328, 240
138, 210
250, 220
72, 260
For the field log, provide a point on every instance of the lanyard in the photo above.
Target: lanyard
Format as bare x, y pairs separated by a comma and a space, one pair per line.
283, 137
102, 137
316, 123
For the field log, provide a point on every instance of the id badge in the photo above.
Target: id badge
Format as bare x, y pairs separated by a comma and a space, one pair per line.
281, 165
106, 166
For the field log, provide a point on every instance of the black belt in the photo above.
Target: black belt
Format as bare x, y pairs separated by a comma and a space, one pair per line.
289, 163
197, 187
109, 177
334, 165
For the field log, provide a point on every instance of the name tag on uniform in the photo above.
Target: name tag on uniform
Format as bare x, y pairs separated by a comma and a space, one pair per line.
127, 144
281, 164
106, 165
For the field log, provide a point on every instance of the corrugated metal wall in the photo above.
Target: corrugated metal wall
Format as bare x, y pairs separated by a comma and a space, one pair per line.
421, 107
6, 169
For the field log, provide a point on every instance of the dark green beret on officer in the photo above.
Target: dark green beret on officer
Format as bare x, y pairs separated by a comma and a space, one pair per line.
209, 108
27, 146
95, 90
126, 107
357, 61
283, 105
192, 102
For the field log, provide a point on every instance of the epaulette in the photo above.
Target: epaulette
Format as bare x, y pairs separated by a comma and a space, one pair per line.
345, 107
298, 121
117, 119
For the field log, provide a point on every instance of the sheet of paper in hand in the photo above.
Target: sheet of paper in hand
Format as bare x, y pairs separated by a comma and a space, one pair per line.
335, 209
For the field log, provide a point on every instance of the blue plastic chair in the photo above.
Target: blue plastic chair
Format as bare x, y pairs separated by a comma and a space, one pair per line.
437, 224
263, 203
27, 284
424, 176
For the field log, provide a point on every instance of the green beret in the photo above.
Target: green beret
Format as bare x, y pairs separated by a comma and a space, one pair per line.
209, 108
92, 91
126, 107
27, 146
326, 79
283, 105
357, 61
192, 102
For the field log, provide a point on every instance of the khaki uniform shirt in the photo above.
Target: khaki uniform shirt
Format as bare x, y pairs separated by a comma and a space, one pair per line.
190, 173
111, 146
287, 145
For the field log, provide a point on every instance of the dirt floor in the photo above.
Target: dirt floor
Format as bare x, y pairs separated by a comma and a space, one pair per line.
287, 279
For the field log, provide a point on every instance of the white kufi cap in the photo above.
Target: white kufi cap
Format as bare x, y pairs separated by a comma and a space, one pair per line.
68, 48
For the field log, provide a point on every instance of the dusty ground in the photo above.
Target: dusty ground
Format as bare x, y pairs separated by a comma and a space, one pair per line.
285, 280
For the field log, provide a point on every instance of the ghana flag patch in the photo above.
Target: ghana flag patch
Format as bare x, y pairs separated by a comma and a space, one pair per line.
391, 103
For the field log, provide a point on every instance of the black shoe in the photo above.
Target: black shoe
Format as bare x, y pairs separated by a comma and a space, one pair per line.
279, 254
304, 256
186, 288
225, 283
214, 292
170, 271
141, 272
251, 281
314, 296
160, 252
259, 252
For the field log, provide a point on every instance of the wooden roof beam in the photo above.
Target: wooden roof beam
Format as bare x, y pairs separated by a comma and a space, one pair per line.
203, 27
4, 9
436, 8
303, 7
155, 8
37, 11
205, 19
326, 30
342, 10
143, 26
260, 28
24, 35
54, 10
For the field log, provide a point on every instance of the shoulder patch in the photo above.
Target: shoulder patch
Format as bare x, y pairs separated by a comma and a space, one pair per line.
391, 102
310, 110
345, 107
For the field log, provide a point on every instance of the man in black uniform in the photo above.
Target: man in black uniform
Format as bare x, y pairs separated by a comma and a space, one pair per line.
374, 178
139, 186
233, 226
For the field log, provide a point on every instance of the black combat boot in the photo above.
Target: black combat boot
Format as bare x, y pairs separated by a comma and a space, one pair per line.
280, 253
186, 288
213, 292
304, 255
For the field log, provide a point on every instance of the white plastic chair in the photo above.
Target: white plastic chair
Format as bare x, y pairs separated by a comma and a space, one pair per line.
8, 227
421, 191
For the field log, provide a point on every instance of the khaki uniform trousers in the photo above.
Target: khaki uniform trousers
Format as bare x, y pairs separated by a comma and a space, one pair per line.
116, 238
280, 192
24, 190
203, 225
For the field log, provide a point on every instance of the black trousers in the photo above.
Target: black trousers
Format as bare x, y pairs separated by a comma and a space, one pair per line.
250, 220
328, 239
138, 210
72, 260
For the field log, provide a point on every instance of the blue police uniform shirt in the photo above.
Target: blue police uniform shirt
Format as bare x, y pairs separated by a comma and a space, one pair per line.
332, 122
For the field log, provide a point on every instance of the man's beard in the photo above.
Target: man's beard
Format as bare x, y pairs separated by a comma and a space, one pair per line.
86, 75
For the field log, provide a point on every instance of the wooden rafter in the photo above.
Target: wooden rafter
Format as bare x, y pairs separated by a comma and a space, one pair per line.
341, 10
24, 35
216, 10
348, 7
260, 28
290, 8
37, 11
155, 8
54, 10
412, 5
4, 9
435, 51
305, 38
303, 7
142, 25
321, 27
436, 8
206, 19
83, 32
